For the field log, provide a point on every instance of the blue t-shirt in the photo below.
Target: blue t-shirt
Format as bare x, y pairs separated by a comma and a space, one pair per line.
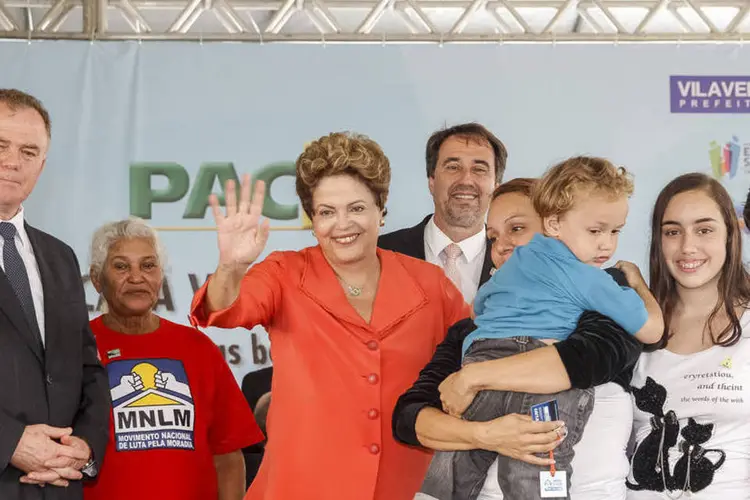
543, 289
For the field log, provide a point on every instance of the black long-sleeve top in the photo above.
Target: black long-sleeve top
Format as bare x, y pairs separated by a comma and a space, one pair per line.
598, 351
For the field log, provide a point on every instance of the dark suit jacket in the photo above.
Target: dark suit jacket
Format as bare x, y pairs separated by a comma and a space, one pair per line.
410, 241
63, 385
254, 385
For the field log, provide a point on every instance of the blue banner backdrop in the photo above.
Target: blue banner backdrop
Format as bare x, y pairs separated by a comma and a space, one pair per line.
147, 129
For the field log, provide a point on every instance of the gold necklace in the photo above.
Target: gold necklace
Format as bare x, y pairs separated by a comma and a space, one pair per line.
354, 291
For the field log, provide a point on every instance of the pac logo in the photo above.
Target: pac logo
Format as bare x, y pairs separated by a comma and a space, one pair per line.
152, 405
193, 194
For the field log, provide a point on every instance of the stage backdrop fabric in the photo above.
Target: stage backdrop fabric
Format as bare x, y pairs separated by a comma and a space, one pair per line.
150, 129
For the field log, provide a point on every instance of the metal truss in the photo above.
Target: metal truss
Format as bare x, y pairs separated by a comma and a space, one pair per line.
379, 21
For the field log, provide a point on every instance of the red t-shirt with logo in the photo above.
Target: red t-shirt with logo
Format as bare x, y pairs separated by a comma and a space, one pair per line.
175, 404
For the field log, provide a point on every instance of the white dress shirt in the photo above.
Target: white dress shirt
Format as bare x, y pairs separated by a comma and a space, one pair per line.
469, 264
32, 268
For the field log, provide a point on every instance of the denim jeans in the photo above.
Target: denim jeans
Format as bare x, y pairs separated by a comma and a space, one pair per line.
460, 475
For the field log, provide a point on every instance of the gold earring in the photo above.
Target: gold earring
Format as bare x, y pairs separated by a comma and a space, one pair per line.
382, 222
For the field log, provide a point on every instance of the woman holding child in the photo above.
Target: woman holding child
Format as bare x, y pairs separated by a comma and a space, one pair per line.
536, 299
598, 353
699, 281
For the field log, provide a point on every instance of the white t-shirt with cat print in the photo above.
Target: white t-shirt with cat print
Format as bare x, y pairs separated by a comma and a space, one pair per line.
691, 424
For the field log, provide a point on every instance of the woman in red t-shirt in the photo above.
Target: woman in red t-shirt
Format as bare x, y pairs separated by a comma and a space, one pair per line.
177, 412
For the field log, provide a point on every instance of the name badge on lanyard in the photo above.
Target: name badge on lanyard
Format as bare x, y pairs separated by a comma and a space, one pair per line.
552, 483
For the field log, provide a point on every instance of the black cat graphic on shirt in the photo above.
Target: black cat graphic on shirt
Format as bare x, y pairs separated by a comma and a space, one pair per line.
700, 466
654, 449
665, 429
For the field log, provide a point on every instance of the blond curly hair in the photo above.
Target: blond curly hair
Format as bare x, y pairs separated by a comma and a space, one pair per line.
344, 153
555, 193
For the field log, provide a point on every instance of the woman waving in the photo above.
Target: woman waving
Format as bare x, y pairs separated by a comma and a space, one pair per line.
350, 326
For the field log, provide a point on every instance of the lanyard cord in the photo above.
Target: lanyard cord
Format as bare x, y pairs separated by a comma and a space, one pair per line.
552, 469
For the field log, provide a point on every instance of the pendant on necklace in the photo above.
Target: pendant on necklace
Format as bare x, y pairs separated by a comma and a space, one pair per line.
354, 291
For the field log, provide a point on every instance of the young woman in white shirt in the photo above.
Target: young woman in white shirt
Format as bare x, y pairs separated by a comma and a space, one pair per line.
691, 429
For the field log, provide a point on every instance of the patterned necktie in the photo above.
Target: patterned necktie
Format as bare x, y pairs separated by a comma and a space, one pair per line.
15, 270
452, 253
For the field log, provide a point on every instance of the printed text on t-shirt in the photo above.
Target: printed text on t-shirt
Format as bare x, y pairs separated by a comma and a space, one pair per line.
713, 387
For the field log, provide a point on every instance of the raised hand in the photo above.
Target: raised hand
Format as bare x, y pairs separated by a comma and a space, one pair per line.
242, 237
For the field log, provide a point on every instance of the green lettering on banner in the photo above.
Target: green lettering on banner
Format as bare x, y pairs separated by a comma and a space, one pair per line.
143, 195
271, 208
207, 174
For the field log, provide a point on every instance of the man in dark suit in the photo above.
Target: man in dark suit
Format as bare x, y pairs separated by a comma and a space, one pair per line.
464, 165
54, 397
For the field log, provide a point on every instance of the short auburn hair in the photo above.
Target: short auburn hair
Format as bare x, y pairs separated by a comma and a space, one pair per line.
556, 191
17, 99
343, 153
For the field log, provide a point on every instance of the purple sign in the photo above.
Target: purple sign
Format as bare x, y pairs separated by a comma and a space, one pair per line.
710, 94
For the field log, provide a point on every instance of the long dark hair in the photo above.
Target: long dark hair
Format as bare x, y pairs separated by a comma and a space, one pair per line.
734, 282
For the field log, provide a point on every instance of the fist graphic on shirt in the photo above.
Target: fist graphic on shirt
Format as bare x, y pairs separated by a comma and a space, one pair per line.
165, 380
128, 384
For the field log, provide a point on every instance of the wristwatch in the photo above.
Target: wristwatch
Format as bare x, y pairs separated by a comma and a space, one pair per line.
90, 470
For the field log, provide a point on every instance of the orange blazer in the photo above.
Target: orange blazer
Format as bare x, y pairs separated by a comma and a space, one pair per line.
336, 378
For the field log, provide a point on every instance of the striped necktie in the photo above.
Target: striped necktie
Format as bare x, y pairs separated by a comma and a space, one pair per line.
15, 270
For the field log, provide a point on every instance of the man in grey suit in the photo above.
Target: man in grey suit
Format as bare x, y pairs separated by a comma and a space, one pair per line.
54, 397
